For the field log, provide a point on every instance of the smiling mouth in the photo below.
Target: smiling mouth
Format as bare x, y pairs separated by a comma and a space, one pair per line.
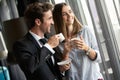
70, 20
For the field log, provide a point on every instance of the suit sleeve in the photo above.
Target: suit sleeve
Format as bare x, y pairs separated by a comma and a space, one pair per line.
29, 56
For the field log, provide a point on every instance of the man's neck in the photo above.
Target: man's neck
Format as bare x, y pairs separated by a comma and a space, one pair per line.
37, 32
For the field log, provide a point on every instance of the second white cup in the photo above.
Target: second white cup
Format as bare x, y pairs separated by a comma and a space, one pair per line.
62, 38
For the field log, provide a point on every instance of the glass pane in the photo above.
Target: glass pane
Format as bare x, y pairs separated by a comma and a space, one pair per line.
114, 19
107, 67
59, 1
97, 24
87, 15
117, 4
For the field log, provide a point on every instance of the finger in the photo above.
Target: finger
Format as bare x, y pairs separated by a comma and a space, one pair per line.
81, 37
66, 67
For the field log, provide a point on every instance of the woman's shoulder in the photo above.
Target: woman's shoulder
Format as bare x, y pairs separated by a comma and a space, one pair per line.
84, 29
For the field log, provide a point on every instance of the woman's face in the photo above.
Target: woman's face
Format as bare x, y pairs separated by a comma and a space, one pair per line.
68, 15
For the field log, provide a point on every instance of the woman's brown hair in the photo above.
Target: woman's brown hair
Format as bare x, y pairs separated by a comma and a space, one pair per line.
59, 22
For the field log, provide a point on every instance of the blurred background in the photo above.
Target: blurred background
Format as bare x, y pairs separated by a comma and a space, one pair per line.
102, 16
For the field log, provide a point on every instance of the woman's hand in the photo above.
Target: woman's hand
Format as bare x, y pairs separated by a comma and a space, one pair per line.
67, 49
80, 44
67, 46
64, 67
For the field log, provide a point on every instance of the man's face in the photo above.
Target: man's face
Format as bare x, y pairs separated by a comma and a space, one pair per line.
47, 22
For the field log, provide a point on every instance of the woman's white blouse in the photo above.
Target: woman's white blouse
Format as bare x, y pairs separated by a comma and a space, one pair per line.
82, 68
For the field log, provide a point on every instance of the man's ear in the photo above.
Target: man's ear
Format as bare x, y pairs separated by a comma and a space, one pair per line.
37, 21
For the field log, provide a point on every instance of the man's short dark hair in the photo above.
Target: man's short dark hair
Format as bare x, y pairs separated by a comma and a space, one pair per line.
36, 10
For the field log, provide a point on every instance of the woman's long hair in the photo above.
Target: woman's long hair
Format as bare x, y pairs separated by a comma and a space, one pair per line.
59, 22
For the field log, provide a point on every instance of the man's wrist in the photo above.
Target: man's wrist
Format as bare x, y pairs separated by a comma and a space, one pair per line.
49, 47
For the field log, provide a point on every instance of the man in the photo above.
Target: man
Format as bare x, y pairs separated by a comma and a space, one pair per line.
32, 54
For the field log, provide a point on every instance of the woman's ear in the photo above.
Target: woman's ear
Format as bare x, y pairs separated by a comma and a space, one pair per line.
37, 21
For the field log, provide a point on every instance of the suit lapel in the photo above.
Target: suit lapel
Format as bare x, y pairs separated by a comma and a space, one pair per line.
51, 66
37, 45
33, 40
49, 62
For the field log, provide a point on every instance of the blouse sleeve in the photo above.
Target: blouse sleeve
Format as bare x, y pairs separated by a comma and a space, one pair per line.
90, 39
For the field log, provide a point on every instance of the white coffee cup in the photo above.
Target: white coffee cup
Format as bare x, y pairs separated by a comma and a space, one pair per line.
72, 42
68, 61
62, 38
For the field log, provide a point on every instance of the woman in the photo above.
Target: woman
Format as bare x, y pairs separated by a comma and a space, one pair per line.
84, 53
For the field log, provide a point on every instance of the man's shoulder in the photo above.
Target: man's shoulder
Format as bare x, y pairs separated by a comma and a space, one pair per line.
26, 40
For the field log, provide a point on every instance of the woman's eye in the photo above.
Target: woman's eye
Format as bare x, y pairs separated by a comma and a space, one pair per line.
64, 14
70, 11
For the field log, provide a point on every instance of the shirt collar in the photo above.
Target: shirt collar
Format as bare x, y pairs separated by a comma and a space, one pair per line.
35, 35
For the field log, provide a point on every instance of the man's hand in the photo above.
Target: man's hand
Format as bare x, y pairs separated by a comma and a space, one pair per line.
64, 67
53, 41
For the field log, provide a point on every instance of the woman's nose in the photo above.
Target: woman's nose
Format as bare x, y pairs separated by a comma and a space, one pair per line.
68, 14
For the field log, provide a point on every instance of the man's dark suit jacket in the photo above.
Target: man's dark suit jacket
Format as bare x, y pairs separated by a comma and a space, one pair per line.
34, 60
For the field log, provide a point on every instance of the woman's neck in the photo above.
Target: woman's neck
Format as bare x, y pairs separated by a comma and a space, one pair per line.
69, 30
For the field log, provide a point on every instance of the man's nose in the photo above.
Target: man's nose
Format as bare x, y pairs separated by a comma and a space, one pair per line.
52, 22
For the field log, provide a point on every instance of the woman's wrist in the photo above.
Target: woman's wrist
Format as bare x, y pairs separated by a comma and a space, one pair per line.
91, 53
88, 51
65, 55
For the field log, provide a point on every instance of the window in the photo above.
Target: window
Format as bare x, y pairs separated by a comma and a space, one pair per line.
103, 17
100, 37
59, 1
114, 18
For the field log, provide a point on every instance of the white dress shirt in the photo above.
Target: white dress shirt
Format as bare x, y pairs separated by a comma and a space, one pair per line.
37, 38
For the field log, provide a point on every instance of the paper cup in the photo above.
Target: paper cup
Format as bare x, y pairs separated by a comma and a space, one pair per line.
62, 38
65, 62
